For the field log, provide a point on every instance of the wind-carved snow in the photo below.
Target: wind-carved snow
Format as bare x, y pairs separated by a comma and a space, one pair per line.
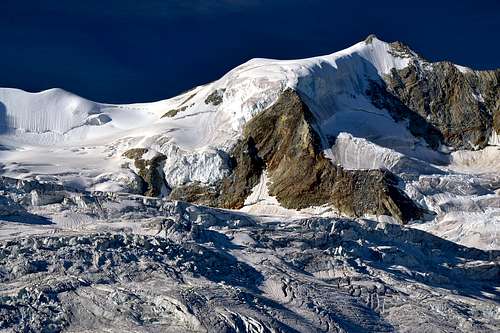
463, 69
52, 110
359, 153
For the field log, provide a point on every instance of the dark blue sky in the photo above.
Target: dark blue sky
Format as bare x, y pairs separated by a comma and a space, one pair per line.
144, 50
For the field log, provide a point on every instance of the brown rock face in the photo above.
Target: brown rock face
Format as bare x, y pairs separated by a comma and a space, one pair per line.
282, 140
302, 176
248, 167
461, 108
148, 170
197, 193
496, 122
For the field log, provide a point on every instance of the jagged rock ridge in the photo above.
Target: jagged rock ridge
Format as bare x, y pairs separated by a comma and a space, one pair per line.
459, 105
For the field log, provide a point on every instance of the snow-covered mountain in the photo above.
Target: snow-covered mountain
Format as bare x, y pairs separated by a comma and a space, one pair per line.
321, 158
364, 116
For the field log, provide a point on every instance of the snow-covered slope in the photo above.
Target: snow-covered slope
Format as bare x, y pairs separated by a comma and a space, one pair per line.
57, 136
56, 116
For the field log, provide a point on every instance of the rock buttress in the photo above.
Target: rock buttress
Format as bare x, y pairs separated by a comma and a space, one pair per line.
149, 170
282, 140
464, 107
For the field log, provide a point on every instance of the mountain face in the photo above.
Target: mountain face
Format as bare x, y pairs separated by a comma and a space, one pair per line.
353, 131
282, 141
270, 200
459, 105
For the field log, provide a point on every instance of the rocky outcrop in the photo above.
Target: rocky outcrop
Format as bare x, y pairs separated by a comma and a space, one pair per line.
458, 107
149, 170
282, 140
196, 192
216, 97
496, 121
301, 176
248, 166
8, 206
382, 98
172, 113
